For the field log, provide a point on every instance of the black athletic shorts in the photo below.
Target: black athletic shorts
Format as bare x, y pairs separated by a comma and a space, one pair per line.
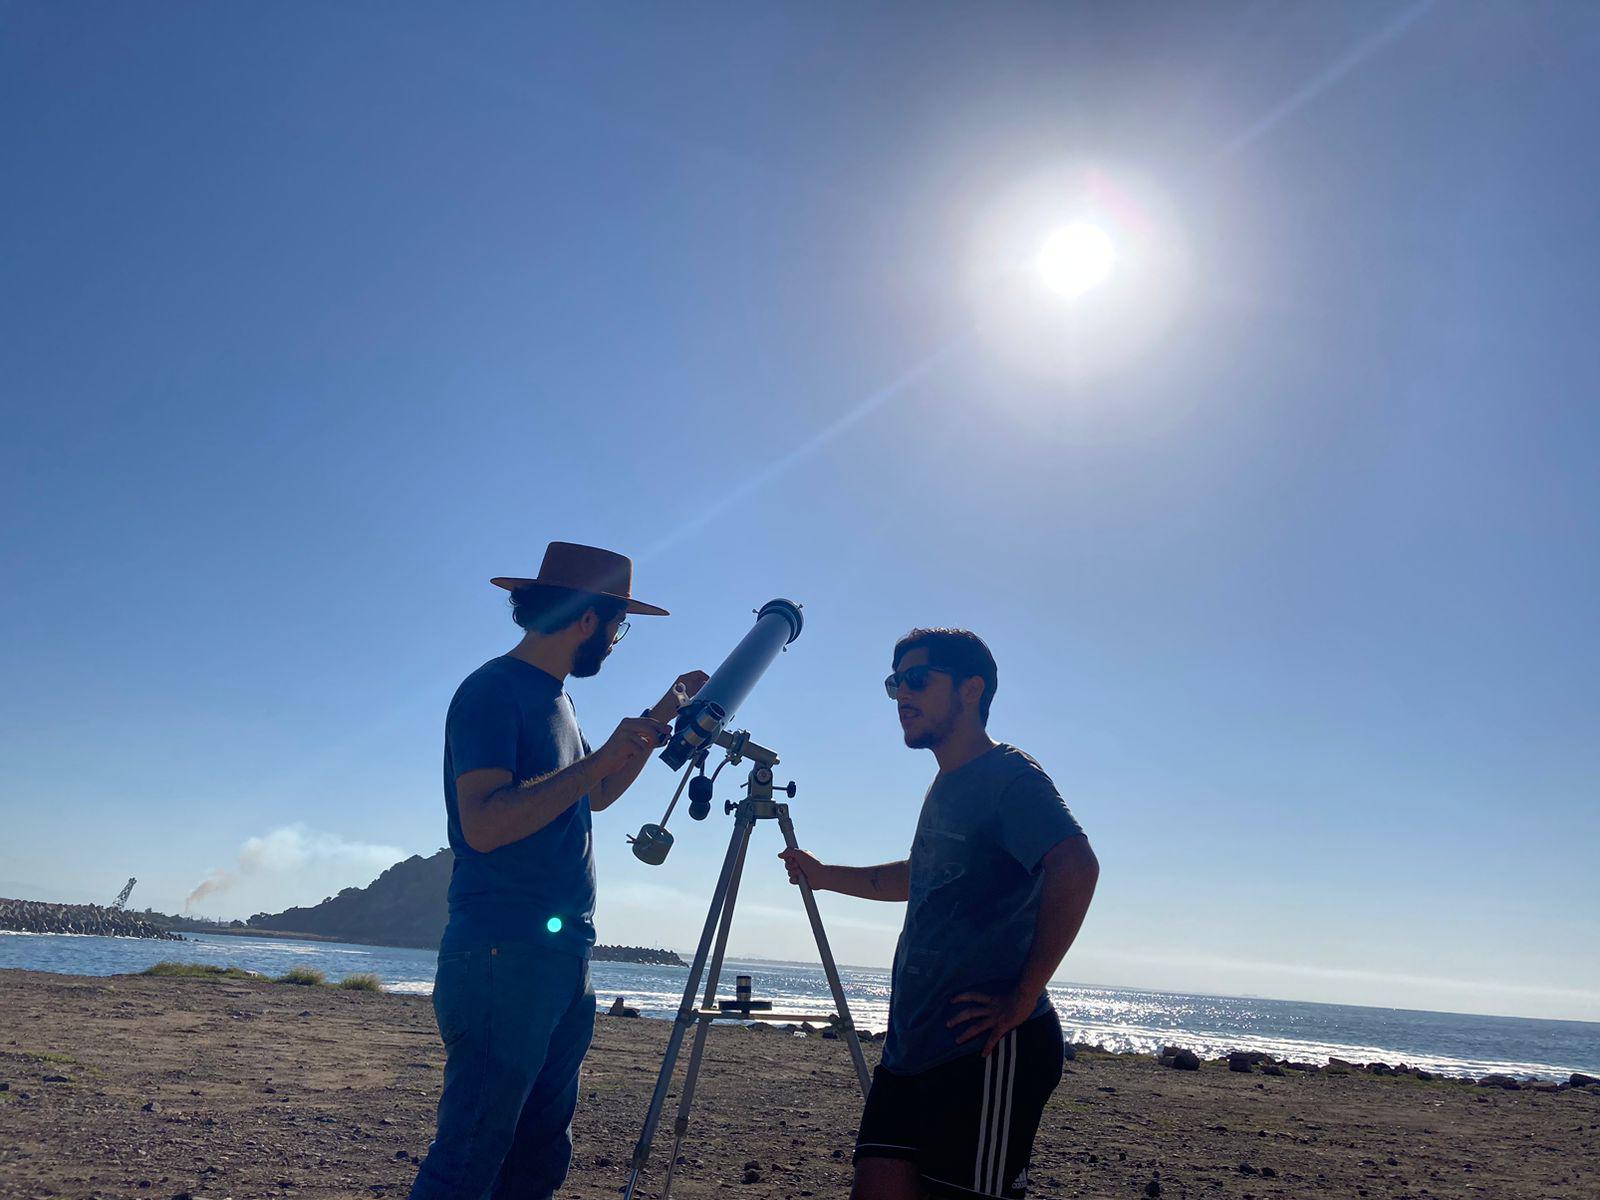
968, 1124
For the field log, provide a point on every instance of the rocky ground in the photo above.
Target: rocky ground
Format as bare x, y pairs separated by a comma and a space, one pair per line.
146, 1087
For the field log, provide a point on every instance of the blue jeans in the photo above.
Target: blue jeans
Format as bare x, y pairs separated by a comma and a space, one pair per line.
516, 1022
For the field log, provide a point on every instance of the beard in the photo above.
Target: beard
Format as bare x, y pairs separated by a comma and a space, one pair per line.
586, 659
933, 735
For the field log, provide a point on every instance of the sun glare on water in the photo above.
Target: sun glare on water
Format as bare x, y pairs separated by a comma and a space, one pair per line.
1076, 259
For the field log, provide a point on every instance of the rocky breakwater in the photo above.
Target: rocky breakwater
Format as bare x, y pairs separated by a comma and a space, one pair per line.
35, 916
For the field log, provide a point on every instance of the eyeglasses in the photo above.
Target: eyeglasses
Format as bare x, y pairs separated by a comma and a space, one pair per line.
915, 678
622, 632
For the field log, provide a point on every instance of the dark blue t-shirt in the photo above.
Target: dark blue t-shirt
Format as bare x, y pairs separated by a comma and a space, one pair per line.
975, 886
508, 714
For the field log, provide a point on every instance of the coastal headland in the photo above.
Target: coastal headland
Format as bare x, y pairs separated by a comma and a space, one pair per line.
168, 1087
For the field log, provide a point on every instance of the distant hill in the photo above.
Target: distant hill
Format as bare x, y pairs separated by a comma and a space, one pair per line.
405, 906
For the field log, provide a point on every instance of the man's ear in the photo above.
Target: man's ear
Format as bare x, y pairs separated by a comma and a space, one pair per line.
972, 690
588, 623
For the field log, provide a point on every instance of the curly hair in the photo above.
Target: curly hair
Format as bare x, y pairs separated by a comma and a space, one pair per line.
540, 608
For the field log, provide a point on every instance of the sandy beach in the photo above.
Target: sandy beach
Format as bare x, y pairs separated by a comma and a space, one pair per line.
136, 1086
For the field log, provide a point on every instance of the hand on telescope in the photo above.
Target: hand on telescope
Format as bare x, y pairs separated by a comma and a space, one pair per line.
631, 743
680, 693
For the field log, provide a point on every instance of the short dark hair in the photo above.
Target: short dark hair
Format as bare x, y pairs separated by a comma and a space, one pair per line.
959, 651
541, 608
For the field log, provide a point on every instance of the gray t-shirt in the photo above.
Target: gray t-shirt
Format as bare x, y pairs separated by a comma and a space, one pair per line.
975, 886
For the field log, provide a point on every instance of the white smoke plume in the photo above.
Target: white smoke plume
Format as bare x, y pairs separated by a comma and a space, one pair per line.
287, 865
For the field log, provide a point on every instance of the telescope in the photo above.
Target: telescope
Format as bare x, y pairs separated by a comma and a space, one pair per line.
699, 722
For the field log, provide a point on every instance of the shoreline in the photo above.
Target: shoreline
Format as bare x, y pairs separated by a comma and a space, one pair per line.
130, 1084
1463, 1059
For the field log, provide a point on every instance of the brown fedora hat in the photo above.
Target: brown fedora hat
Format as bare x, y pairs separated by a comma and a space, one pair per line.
586, 569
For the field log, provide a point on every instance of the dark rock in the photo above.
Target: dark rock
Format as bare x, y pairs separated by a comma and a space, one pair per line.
1240, 1063
56, 1079
751, 1176
1268, 1173
1425, 1076
1338, 1066
1153, 1189
1183, 1060
1379, 1068
1579, 1079
830, 1034
1247, 1169
150, 1106
1271, 1069
1500, 1081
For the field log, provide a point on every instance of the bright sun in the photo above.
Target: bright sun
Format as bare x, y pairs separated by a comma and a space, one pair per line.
1076, 258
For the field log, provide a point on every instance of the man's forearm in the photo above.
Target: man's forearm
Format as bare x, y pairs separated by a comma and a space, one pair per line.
513, 812
886, 881
611, 787
1070, 874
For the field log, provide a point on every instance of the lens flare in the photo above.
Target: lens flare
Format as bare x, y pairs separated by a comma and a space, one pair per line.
1076, 258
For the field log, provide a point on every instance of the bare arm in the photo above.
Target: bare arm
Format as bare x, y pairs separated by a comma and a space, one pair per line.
610, 789
496, 810
886, 881
1071, 871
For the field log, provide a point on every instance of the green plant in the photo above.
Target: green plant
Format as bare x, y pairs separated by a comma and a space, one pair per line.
362, 982
168, 969
304, 976
50, 1057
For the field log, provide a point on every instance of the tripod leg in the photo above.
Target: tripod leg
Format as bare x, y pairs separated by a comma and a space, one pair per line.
686, 1010
680, 1126
832, 971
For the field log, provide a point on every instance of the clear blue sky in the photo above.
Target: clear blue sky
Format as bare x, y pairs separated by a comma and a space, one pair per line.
314, 317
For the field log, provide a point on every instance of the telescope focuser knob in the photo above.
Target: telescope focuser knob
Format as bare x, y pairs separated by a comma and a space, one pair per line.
730, 807
790, 790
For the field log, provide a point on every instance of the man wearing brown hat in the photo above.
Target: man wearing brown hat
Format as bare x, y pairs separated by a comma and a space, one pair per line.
512, 992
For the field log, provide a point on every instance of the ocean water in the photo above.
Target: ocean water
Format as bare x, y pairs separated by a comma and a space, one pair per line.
1116, 1018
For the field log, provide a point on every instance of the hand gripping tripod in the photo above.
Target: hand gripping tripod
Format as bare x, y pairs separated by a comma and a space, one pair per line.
758, 805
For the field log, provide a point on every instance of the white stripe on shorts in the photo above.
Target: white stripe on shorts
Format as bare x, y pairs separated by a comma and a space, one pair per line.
983, 1112
999, 1076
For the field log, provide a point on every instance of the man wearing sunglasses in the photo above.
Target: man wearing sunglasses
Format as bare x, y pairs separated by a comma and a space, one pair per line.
512, 992
998, 883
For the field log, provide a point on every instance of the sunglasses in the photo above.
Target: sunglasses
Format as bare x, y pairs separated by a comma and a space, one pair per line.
622, 632
915, 678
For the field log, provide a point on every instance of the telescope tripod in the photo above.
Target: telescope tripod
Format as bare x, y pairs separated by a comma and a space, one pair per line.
758, 805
